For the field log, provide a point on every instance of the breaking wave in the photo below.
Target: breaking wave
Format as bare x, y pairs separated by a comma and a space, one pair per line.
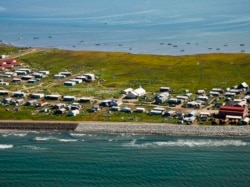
188, 143
15, 134
54, 138
67, 140
6, 146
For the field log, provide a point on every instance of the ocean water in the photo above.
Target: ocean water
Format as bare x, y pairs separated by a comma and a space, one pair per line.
70, 159
175, 27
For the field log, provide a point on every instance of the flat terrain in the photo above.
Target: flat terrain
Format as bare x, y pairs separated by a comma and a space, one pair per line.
118, 71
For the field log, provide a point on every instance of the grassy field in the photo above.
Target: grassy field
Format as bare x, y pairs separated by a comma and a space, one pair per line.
117, 71
122, 70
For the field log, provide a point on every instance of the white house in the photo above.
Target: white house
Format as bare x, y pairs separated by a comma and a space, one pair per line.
37, 95
136, 93
69, 83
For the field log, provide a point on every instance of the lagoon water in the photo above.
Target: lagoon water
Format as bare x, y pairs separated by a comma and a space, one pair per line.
136, 26
70, 159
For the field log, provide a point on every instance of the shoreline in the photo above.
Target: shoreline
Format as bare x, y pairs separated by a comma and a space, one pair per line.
165, 129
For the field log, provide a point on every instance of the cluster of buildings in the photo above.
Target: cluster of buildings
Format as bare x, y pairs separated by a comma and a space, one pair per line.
231, 103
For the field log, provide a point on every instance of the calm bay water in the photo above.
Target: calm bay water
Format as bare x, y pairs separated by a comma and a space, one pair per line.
138, 26
68, 159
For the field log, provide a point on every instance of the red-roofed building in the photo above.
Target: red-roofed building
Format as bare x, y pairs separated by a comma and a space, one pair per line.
226, 110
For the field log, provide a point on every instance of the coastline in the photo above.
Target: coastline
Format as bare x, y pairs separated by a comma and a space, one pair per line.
125, 127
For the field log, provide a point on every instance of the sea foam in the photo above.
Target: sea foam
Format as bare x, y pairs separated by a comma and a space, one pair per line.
6, 146
188, 143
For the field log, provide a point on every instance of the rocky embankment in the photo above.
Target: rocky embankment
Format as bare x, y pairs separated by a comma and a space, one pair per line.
125, 127
163, 129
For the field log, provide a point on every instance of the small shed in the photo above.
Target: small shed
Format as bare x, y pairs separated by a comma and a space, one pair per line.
77, 81
37, 95
59, 76
4, 92
73, 113
53, 97
69, 98
90, 77
19, 94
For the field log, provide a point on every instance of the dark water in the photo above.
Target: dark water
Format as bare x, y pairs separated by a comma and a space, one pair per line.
135, 26
64, 159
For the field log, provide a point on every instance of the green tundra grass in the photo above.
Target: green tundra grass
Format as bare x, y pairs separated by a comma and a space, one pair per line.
117, 71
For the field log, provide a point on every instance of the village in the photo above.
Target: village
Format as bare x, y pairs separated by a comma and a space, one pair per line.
215, 106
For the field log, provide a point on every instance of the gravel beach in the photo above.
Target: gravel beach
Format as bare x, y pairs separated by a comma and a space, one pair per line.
163, 129
126, 127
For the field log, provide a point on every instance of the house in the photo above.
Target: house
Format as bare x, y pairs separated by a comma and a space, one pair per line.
27, 70
44, 72
110, 103
31, 102
230, 110
77, 81
204, 116
83, 78
17, 102
194, 104
59, 76
16, 80
174, 101
37, 95
12, 74
201, 92
115, 108
126, 109
190, 117
27, 77
220, 90
73, 113
230, 94
53, 97
243, 86
84, 99
69, 98
90, 77
59, 106
19, 94
7, 100
182, 98
66, 73
202, 99
18, 72
33, 81
38, 75
4, 83
134, 94
41, 104
214, 94
94, 108
140, 110
126, 91
60, 111
170, 113
162, 97
157, 111
74, 106
4, 92
165, 89
69, 83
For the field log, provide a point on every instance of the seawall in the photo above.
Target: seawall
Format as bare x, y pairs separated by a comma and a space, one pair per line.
38, 125
164, 129
126, 127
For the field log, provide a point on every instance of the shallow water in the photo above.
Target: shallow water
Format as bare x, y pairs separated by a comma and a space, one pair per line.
71, 159
135, 26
